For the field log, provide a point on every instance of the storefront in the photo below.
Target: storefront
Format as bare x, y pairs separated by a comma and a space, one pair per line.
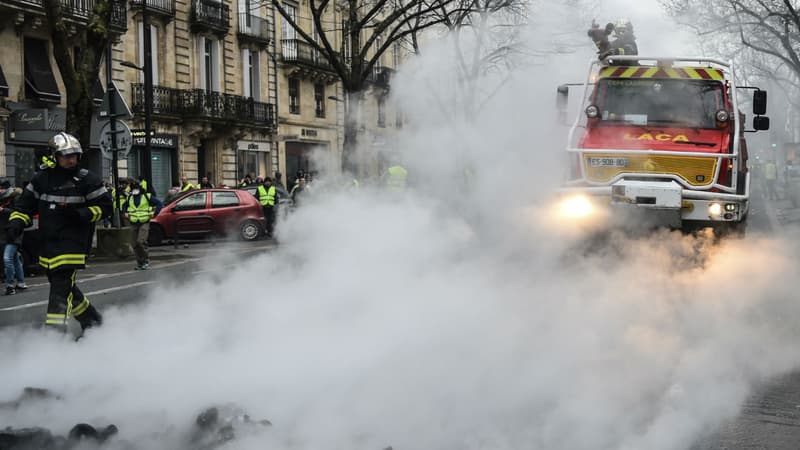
163, 154
253, 158
27, 135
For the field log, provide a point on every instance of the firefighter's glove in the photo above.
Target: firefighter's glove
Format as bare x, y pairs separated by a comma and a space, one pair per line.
14, 230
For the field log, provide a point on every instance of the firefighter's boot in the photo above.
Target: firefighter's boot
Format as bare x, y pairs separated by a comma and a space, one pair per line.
90, 318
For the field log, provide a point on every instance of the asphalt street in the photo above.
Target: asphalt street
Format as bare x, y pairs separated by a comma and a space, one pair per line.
109, 280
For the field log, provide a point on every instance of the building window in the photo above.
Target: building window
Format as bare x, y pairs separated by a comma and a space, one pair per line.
209, 63
319, 99
395, 55
153, 52
251, 74
381, 112
294, 95
287, 30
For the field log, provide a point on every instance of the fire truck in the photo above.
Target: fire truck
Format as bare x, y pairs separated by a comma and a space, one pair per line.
661, 138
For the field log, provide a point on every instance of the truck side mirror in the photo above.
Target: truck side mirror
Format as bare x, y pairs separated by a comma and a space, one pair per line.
761, 123
562, 101
760, 102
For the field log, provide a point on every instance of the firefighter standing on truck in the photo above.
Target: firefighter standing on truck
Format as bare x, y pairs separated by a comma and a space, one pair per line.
68, 200
624, 42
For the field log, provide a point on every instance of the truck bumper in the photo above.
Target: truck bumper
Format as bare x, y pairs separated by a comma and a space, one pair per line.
667, 199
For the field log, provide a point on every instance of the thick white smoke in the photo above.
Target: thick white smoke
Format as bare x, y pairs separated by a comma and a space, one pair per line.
454, 317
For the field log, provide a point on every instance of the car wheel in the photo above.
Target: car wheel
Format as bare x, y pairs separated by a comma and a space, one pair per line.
249, 230
156, 235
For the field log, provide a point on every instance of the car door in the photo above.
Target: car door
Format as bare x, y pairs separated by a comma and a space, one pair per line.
190, 215
226, 209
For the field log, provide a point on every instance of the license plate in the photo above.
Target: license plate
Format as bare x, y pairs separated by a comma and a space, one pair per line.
608, 162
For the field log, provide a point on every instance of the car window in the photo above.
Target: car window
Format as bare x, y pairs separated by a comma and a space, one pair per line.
223, 199
191, 201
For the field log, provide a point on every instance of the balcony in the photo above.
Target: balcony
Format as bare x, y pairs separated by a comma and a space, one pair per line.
200, 104
163, 8
76, 11
210, 15
381, 77
254, 29
300, 52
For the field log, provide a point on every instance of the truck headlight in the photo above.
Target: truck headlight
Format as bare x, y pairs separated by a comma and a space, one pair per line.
576, 207
714, 209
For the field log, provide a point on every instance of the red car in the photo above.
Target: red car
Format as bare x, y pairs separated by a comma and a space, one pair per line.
208, 212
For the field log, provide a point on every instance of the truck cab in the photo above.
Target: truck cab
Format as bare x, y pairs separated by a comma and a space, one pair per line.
665, 137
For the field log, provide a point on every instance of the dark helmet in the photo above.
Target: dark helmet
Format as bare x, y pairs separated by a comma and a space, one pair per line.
64, 144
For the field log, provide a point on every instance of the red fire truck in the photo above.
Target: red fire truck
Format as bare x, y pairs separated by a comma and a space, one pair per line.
661, 138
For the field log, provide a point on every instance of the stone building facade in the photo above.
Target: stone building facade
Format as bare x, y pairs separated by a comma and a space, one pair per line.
235, 92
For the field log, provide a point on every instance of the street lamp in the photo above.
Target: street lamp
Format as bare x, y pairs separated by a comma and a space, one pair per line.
146, 169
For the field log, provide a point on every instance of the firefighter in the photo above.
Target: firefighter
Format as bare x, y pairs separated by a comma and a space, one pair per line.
624, 42
68, 200
266, 196
139, 209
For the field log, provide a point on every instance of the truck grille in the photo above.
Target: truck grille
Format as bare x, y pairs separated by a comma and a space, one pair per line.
696, 171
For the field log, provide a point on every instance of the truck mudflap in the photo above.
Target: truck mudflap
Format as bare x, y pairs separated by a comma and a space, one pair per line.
667, 196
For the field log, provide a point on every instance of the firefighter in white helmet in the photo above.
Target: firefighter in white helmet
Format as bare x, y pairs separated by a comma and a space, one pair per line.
68, 200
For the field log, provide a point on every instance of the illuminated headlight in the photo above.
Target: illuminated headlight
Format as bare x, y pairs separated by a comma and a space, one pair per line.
714, 209
576, 207
723, 116
592, 111
731, 206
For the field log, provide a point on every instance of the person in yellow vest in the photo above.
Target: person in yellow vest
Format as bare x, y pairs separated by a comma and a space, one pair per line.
185, 185
396, 178
266, 196
139, 209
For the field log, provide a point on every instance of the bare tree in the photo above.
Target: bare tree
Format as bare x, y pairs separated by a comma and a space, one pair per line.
762, 35
369, 28
80, 32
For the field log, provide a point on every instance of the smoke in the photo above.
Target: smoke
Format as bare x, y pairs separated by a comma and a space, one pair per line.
457, 316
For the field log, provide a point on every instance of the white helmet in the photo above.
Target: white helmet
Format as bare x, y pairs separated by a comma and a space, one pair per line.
623, 27
65, 144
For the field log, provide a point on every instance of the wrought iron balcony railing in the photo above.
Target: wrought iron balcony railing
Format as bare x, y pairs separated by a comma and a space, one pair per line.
210, 15
255, 28
164, 8
79, 11
198, 103
298, 51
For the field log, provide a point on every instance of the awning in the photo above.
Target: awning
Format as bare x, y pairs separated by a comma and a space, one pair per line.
40, 83
3, 84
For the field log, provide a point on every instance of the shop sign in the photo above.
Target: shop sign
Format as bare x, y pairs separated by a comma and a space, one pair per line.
252, 146
308, 133
37, 120
156, 139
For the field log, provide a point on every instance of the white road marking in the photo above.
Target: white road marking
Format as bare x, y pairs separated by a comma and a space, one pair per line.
98, 292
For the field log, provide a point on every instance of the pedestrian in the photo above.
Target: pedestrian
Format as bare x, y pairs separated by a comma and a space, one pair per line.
185, 185
771, 179
68, 199
173, 192
266, 196
142, 183
396, 178
15, 274
139, 209
205, 184
299, 192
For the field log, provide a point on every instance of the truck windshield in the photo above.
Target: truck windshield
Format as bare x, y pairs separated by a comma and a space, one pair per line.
664, 102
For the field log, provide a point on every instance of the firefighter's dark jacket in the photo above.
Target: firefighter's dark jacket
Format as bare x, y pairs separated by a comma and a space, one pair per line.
67, 202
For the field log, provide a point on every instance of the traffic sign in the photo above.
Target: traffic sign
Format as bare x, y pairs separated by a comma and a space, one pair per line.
124, 139
113, 96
